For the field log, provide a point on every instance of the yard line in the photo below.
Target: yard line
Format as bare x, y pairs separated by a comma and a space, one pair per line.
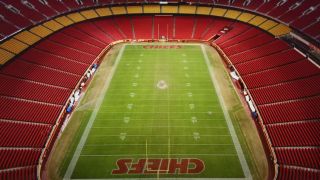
146, 95
146, 74
169, 179
175, 89
169, 147
145, 105
113, 155
160, 144
85, 134
117, 135
234, 137
147, 153
122, 112
146, 99
160, 43
134, 127
160, 119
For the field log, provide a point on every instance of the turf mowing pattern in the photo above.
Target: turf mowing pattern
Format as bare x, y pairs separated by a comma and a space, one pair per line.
161, 103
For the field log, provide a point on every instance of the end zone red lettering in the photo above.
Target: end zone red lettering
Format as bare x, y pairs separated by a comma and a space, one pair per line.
138, 167
198, 166
181, 167
162, 47
122, 166
163, 166
153, 166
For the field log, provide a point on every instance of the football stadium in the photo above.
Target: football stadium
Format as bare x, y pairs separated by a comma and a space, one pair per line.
160, 89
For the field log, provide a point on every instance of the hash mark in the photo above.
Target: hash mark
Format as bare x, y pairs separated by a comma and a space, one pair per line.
123, 136
196, 136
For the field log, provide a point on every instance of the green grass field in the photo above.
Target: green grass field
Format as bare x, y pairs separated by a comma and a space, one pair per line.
160, 104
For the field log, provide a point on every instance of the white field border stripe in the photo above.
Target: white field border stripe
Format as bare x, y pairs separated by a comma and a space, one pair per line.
146, 178
160, 43
146, 155
92, 118
123, 112
218, 135
134, 127
161, 144
160, 119
234, 137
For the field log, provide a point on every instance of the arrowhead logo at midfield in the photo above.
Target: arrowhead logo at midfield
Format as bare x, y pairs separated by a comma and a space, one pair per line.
159, 166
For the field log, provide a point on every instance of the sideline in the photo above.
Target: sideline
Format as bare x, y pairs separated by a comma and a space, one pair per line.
85, 135
234, 137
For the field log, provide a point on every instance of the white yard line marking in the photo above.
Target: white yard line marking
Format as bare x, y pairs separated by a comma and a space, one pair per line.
160, 144
234, 137
117, 135
108, 127
169, 179
147, 153
145, 105
113, 119
85, 134
121, 112
174, 89
115, 155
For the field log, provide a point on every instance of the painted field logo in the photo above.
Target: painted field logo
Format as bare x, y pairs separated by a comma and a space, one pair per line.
162, 166
162, 47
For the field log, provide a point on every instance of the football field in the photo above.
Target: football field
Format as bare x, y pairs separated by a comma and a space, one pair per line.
160, 116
